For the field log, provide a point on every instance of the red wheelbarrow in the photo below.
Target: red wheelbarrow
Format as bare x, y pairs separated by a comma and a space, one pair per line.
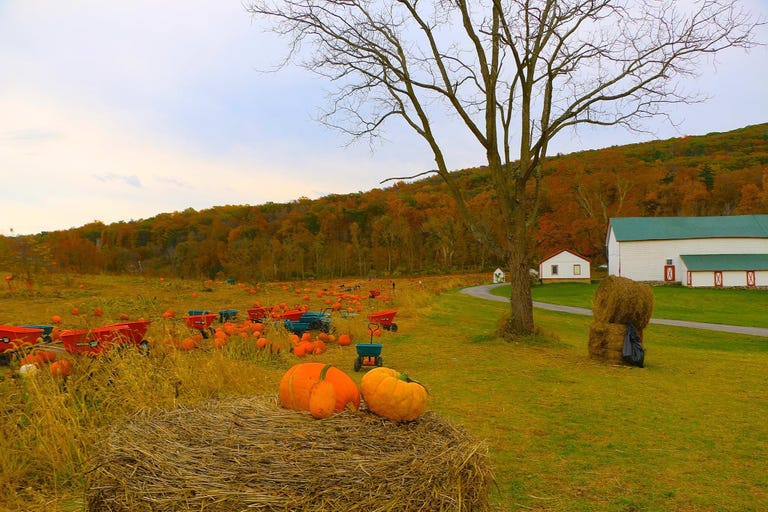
384, 319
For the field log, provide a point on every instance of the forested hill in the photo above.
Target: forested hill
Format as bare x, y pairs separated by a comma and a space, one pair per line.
413, 228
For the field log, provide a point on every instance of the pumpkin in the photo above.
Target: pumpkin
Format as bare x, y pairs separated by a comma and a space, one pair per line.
322, 397
188, 343
46, 356
61, 368
392, 395
300, 350
56, 319
344, 340
297, 382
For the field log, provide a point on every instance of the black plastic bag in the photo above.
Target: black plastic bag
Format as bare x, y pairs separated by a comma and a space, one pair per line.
633, 352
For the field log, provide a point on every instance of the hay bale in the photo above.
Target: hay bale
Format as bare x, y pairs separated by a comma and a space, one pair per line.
604, 336
249, 453
606, 342
619, 300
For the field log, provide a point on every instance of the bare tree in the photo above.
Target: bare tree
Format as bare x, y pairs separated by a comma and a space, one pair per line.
514, 72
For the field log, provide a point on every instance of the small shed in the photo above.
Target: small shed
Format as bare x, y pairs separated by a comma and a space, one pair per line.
498, 276
565, 266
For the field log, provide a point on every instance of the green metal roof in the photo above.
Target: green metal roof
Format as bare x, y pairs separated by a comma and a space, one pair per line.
725, 261
674, 228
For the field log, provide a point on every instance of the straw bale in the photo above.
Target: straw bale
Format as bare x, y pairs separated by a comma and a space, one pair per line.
604, 336
620, 300
251, 454
606, 342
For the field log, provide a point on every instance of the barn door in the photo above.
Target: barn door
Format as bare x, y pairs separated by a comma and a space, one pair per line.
669, 272
718, 278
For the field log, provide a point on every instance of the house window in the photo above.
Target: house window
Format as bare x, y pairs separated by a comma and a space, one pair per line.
577, 269
554, 270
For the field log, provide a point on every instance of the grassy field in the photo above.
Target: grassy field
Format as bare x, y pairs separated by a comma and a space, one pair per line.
687, 432
728, 306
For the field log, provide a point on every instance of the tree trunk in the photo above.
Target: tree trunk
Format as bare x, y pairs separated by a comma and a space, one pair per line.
521, 307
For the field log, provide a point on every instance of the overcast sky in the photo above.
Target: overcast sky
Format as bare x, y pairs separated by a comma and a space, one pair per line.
118, 111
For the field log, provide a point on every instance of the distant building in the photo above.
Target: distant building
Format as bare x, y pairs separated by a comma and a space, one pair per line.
723, 251
498, 276
565, 266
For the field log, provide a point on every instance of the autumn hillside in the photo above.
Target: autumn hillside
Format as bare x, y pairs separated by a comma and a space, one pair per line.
413, 228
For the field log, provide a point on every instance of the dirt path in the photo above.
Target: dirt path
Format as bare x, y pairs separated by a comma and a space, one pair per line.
484, 292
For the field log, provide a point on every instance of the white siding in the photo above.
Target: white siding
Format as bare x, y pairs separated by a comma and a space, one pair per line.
565, 262
614, 254
730, 278
645, 260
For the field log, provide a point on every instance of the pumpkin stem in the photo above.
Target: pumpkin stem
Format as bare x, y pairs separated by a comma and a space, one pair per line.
404, 377
324, 371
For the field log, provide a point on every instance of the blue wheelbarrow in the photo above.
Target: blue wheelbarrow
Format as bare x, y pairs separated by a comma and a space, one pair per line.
368, 354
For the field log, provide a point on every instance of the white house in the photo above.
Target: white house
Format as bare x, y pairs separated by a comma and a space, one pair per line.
564, 266
498, 276
695, 251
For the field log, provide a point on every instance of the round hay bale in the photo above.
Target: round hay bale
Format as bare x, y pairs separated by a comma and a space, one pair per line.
619, 300
606, 342
603, 336
252, 454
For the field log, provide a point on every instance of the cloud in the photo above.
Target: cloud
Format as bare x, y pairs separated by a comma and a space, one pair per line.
132, 180
29, 136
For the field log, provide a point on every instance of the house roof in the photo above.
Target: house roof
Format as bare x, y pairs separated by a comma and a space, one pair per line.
711, 262
674, 228
561, 252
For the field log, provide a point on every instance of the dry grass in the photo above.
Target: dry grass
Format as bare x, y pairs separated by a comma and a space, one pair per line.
50, 428
250, 453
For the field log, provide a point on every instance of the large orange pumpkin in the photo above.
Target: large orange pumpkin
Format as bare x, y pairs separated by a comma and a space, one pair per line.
391, 394
297, 382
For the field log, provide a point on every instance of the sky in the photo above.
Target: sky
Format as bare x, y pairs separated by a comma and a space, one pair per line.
121, 111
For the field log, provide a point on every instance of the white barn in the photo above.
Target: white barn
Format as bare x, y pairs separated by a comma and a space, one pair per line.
564, 266
695, 251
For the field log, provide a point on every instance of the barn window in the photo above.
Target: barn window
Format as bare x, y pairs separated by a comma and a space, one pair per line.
554, 270
576, 269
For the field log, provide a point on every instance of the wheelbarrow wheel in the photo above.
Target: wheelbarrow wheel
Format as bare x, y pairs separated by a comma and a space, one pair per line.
144, 347
393, 327
314, 325
358, 363
379, 361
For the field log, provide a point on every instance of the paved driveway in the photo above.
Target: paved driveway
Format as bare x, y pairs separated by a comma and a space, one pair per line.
484, 292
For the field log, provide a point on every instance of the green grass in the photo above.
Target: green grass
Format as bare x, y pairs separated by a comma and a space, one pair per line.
565, 433
685, 433
720, 306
